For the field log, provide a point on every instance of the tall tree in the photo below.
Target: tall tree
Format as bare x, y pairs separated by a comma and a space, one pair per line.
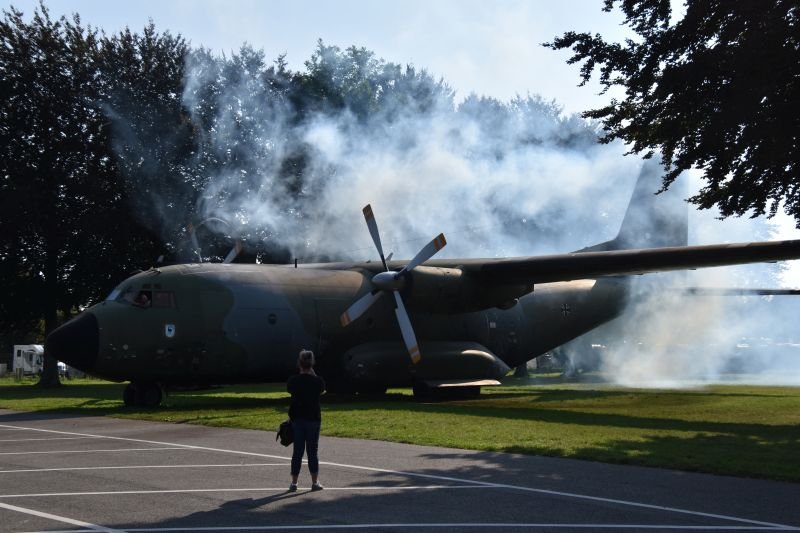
44, 192
58, 176
716, 89
150, 138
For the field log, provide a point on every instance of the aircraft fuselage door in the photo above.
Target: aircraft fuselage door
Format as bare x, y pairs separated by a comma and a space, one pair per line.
503, 329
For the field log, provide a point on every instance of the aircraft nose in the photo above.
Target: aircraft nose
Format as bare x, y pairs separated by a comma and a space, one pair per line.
76, 342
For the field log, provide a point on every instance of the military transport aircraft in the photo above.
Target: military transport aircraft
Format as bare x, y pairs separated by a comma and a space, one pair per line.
473, 319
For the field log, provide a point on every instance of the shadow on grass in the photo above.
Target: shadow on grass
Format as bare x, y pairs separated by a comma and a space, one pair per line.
105, 399
564, 416
733, 454
96, 399
737, 448
525, 386
733, 448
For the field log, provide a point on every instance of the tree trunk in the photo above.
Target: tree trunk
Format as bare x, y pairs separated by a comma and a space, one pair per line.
49, 377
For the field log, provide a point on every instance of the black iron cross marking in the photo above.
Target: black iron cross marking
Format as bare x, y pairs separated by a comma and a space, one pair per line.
565, 309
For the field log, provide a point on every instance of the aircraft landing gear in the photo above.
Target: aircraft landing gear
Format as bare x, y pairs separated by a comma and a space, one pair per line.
372, 390
366, 390
139, 394
424, 393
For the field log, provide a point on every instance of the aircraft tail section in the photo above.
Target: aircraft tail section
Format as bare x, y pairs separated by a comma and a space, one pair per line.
652, 220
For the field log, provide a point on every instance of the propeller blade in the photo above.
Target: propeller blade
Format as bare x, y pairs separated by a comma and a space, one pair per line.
359, 307
405, 328
195, 244
237, 247
426, 253
373, 230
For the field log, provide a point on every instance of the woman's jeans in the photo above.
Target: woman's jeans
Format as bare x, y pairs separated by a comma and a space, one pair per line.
306, 437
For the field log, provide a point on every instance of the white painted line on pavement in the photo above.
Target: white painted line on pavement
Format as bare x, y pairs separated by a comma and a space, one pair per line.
51, 438
253, 489
56, 518
445, 478
570, 495
178, 447
456, 525
136, 467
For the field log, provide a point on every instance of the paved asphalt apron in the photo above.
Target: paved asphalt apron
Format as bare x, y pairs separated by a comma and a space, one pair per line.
68, 473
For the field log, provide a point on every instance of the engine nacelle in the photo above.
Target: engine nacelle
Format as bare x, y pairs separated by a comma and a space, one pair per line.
445, 290
388, 363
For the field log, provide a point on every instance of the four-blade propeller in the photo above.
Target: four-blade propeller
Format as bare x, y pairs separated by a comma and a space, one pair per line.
191, 230
390, 281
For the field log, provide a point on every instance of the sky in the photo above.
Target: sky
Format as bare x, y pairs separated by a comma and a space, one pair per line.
490, 48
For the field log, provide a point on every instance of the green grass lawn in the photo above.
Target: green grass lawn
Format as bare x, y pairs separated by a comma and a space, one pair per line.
724, 429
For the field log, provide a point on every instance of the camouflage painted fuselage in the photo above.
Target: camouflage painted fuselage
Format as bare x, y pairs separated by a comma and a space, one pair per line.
214, 323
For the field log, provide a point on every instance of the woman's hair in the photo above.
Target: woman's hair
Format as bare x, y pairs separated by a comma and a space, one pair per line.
306, 359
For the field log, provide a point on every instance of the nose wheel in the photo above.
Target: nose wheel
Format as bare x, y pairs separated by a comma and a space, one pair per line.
139, 394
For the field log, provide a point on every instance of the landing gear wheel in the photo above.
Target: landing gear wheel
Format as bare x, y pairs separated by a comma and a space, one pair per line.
372, 390
338, 386
468, 393
148, 395
129, 395
424, 393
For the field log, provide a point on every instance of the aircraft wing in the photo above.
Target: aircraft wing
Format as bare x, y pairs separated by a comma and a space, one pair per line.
733, 291
590, 265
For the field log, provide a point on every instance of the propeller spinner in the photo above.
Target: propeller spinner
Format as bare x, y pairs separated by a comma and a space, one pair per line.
390, 281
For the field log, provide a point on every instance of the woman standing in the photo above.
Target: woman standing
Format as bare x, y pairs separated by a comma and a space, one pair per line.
306, 416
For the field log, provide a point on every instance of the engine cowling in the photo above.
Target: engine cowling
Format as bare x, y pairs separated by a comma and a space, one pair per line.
450, 290
387, 363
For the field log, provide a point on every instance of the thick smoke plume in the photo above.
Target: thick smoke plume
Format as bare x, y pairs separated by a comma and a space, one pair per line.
499, 179
669, 339
496, 178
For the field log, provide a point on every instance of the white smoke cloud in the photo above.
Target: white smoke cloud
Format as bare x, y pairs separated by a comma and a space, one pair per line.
423, 173
492, 194
668, 339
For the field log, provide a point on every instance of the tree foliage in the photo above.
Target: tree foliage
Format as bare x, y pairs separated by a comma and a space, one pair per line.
150, 138
62, 201
112, 144
48, 164
718, 90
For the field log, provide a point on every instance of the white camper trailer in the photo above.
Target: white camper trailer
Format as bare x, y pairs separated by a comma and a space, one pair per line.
29, 358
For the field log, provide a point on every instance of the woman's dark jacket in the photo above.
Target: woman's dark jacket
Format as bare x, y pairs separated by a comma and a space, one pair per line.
305, 390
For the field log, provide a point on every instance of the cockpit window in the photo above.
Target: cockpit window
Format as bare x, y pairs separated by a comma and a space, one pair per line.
139, 298
163, 299
143, 299
114, 294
